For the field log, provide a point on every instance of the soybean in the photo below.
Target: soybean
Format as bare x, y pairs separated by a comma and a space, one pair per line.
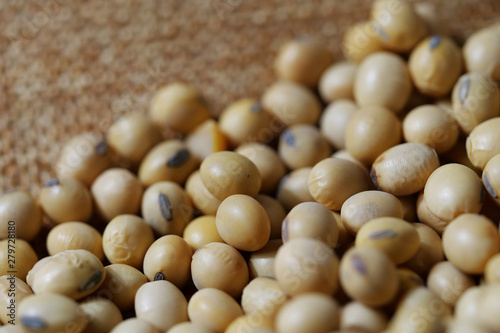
116, 191
65, 200
161, 303
20, 215
126, 240
75, 236
169, 160
167, 208
226, 173
168, 258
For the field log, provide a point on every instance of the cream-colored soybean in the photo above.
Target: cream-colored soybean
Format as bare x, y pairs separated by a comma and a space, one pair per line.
178, 106
12, 291
245, 120
161, 303
360, 40
333, 180
395, 237
491, 178
134, 325
132, 136
120, 285
435, 65
126, 240
368, 205
213, 308
169, 160
267, 161
168, 258
263, 295
302, 146
399, 28
167, 208
202, 199
475, 99
482, 53
74, 236
19, 213
382, 80
356, 315
220, 266
293, 188
72, 273
201, 231
453, 189
51, 313
103, 315
368, 276
116, 191
84, 157
430, 250
261, 262
337, 81
16, 255
291, 103
65, 200
302, 60
427, 305
310, 220
448, 282
371, 131
483, 143
310, 312
306, 265
492, 269
432, 126
334, 120
226, 173
404, 169
243, 223
469, 241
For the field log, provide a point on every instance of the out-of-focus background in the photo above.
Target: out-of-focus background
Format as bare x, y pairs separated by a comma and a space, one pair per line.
68, 66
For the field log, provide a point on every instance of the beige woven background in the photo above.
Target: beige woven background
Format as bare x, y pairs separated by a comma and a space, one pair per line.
68, 66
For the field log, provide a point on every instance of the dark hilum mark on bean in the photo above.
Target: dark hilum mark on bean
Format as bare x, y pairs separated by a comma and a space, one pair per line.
178, 158
380, 31
256, 107
33, 323
159, 276
51, 182
289, 138
383, 234
91, 282
488, 186
165, 207
101, 148
434, 41
359, 264
284, 229
463, 91
373, 176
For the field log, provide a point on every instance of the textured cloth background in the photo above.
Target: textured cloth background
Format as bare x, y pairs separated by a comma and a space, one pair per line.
68, 66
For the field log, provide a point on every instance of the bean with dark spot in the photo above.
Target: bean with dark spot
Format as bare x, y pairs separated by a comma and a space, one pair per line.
165, 207
178, 158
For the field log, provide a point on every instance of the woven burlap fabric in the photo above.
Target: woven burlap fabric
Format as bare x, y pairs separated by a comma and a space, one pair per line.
68, 66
